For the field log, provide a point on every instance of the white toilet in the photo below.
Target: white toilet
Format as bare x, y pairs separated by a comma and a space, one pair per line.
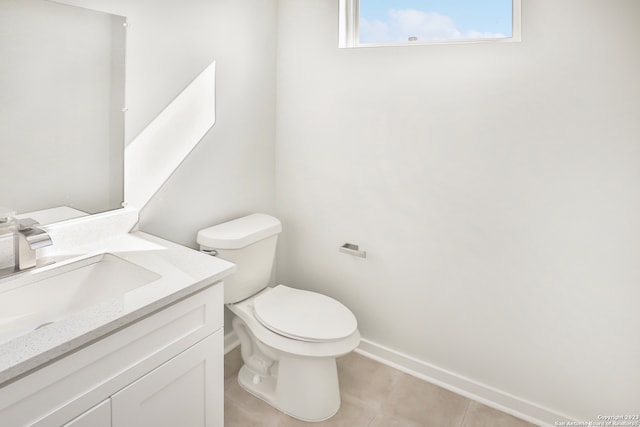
289, 338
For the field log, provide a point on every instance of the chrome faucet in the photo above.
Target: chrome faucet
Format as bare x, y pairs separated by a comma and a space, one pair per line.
26, 239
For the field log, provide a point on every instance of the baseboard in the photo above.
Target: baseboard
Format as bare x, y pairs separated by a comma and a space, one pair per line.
231, 341
458, 384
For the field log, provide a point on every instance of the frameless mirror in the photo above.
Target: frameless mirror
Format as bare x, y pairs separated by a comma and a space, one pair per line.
61, 107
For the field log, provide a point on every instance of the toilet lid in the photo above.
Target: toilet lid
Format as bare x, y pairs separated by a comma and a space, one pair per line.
304, 315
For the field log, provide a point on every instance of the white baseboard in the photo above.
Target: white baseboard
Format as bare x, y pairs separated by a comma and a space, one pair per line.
458, 384
231, 341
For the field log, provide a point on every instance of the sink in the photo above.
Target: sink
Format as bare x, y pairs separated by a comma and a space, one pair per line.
36, 299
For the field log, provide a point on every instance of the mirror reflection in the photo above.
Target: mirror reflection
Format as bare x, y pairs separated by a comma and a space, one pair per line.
61, 107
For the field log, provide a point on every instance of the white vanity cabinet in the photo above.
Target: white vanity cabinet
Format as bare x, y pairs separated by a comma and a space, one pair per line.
182, 392
164, 370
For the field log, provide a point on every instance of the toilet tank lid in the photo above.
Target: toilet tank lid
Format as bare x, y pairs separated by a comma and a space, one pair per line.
240, 232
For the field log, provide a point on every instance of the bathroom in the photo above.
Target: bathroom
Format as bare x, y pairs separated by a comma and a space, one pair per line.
493, 186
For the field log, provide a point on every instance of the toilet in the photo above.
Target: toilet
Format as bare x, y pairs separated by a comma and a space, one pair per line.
289, 338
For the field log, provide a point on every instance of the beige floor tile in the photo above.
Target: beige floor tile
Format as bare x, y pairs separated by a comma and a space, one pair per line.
235, 415
365, 379
384, 420
352, 413
423, 403
232, 363
479, 415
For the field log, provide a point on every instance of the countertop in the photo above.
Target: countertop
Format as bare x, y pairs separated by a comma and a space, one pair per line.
182, 272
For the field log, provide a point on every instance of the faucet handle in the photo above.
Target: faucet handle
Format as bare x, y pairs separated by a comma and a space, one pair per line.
34, 236
37, 238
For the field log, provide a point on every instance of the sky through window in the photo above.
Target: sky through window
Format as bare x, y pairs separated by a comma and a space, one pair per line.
394, 21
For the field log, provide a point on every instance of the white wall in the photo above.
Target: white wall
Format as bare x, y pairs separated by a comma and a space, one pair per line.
231, 172
169, 42
495, 188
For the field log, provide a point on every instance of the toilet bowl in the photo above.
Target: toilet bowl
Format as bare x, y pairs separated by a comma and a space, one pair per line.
296, 375
289, 338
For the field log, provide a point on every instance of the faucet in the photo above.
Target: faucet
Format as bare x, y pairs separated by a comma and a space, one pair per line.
26, 239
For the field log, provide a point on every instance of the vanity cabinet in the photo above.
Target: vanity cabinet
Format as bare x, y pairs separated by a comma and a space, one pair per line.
182, 392
163, 370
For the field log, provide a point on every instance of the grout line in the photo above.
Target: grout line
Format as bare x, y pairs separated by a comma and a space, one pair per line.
466, 410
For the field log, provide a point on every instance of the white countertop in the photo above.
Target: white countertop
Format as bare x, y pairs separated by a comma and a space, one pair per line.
182, 272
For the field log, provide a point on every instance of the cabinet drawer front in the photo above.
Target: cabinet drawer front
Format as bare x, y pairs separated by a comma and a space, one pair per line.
98, 416
65, 388
181, 392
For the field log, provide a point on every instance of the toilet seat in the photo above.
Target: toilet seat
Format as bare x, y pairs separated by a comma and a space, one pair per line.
304, 315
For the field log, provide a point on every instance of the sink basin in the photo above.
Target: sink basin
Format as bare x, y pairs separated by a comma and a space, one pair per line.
38, 299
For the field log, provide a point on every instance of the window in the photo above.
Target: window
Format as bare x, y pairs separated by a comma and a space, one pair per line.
402, 22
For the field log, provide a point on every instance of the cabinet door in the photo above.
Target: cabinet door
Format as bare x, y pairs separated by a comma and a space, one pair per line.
98, 416
187, 390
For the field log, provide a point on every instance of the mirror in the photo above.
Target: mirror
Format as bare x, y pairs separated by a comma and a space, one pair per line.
61, 108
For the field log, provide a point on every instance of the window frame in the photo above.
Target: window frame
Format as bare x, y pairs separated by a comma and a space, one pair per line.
349, 31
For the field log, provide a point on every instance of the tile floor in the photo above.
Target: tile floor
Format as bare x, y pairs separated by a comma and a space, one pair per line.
373, 395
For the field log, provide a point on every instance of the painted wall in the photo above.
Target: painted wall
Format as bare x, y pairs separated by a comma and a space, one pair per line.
231, 172
169, 42
494, 187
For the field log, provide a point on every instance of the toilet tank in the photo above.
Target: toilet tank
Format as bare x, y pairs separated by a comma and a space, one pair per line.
248, 242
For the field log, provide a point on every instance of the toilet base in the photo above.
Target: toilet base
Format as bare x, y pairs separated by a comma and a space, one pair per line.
305, 388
